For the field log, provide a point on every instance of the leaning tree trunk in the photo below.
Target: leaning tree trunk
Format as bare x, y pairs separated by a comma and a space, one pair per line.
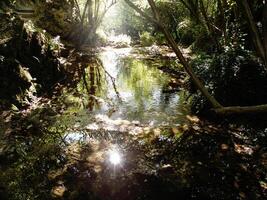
172, 43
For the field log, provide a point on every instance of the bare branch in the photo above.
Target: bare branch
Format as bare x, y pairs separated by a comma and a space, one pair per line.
142, 13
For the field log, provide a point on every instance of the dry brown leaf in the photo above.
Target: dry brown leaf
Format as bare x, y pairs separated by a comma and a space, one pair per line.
236, 184
193, 118
156, 132
242, 194
243, 149
175, 130
224, 146
196, 128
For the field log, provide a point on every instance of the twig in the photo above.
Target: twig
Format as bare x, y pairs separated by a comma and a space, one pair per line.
112, 80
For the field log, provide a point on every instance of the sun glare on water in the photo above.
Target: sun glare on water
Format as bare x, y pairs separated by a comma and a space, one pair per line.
115, 157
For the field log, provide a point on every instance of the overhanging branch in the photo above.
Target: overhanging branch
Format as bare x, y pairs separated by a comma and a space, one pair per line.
141, 12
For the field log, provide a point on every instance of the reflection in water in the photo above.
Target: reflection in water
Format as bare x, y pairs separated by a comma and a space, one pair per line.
74, 137
119, 86
91, 82
119, 100
125, 98
142, 89
121, 95
117, 91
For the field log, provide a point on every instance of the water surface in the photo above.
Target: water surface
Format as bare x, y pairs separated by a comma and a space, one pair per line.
120, 102
123, 87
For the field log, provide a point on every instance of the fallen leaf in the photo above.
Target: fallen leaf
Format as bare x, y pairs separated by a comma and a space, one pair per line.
224, 146
8, 131
243, 149
196, 128
193, 119
185, 127
236, 185
242, 194
58, 191
175, 130
156, 132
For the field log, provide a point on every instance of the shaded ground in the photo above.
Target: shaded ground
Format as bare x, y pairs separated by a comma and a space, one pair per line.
207, 161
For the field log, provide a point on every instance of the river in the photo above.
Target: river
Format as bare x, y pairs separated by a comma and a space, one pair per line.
97, 138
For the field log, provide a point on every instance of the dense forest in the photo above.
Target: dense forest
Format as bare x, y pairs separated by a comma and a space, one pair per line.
133, 99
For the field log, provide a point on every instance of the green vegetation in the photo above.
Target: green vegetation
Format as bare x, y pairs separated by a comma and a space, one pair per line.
146, 39
133, 99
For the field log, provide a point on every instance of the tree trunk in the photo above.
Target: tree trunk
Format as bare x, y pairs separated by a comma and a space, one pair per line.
241, 110
264, 29
84, 12
193, 10
76, 4
222, 10
256, 35
208, 24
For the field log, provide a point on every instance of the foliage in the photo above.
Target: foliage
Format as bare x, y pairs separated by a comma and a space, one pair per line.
234, 77
172, 14
123, 20
57, 16
29, 160
191, 33
146, 39
160, 39
90, 16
